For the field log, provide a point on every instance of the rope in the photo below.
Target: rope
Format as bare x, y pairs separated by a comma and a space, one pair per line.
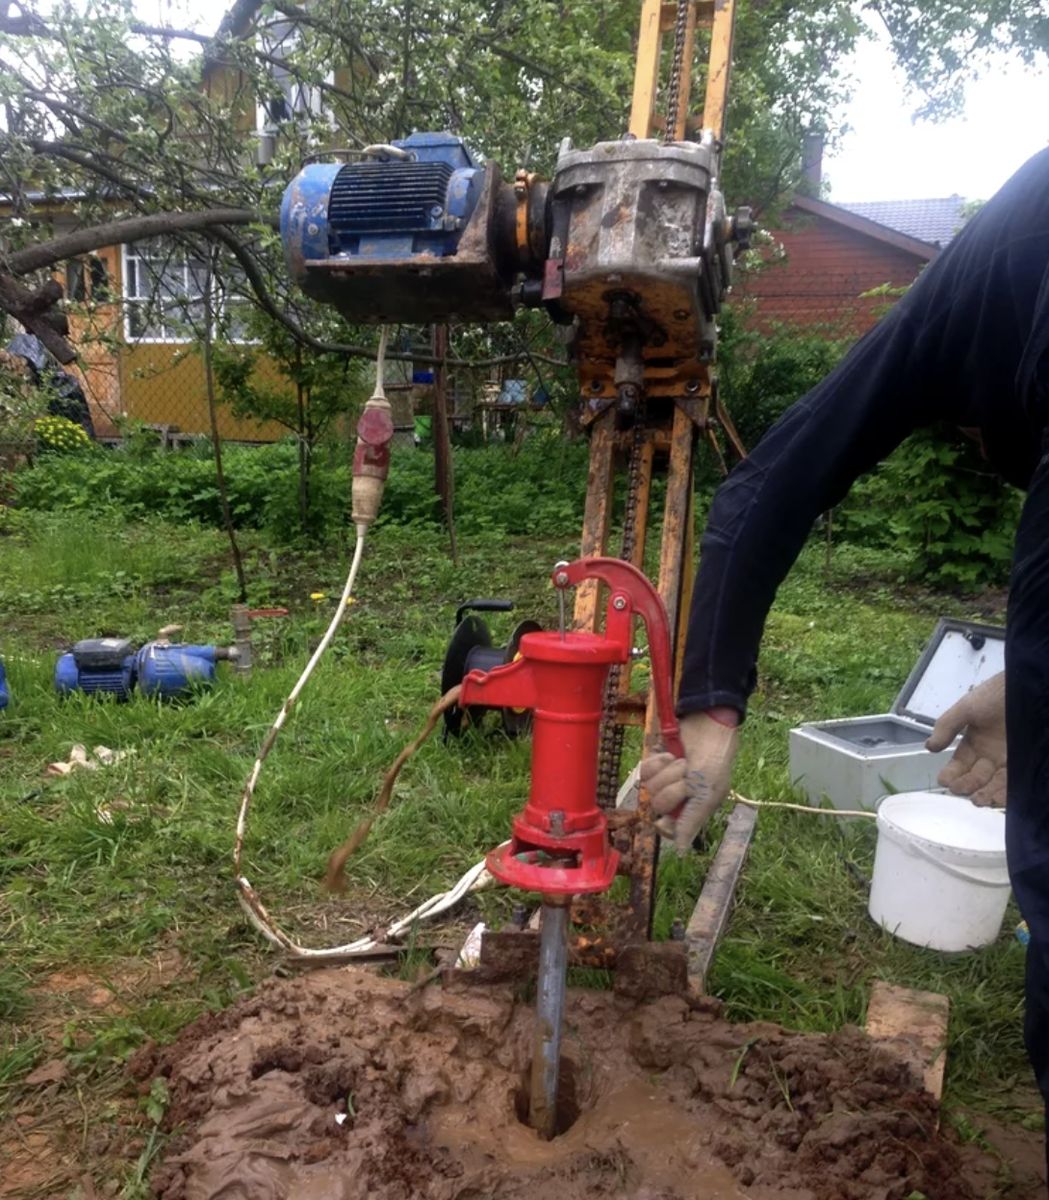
804, 808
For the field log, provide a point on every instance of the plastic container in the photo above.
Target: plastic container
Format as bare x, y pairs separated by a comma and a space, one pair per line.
940, 879
855, 761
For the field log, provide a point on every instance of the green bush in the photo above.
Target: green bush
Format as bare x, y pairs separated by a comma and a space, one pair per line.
761, 374
538, 490
938, 501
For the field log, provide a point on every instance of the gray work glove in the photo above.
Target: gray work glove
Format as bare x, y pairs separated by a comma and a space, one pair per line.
695, 784
978, 766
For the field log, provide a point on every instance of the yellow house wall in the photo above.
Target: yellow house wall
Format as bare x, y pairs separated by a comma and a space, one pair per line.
163, 383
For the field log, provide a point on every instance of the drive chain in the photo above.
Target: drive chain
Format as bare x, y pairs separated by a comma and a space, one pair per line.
612, 732
677, 68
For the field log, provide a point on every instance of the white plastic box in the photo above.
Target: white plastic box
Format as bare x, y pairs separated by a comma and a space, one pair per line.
855, 761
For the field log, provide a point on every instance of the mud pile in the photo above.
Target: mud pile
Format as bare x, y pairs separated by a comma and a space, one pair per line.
340, 1085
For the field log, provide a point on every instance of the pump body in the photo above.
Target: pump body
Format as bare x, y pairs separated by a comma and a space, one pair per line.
110, 666
5, 695
560, 844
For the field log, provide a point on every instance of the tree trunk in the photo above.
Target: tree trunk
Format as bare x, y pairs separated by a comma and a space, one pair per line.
304, 467
444, 476
216, 441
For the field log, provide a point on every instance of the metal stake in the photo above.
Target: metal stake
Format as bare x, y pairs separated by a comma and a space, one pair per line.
549, 1016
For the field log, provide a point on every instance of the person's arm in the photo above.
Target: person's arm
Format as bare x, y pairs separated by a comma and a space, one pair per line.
883, 390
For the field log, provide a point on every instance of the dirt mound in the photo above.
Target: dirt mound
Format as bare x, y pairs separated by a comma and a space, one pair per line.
340, 1085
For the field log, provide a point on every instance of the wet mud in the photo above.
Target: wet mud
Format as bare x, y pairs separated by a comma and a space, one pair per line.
340, 1085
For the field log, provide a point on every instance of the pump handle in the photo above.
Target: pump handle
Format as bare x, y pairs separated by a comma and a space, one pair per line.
482, 606
625, 579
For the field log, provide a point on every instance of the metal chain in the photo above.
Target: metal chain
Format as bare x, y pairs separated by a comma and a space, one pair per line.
612, 732
677, 66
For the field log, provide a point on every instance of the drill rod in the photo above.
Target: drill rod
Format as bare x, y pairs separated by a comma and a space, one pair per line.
549, 1016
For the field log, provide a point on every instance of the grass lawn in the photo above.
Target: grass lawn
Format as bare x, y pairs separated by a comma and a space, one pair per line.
121, 929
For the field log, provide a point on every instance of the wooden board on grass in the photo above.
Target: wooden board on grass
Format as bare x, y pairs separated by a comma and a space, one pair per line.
715, 903
915, 1024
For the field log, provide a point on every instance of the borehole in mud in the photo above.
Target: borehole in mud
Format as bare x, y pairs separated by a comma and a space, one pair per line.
662, 1100
569, 1106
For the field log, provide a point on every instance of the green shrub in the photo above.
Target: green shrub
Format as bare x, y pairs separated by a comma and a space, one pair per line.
762, 374
938, 501
59, 435
538, 490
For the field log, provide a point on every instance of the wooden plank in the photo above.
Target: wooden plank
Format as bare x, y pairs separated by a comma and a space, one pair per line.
597, 517
914, 1024
714, 906
720, 65
646, 70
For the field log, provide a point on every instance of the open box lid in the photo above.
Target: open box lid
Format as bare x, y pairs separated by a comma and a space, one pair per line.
958, 656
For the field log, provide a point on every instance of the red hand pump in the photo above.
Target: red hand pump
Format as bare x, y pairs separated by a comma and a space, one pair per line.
560, 843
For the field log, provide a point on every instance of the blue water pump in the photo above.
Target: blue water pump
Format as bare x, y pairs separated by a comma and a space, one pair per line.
5, 695
411, 231
111, 666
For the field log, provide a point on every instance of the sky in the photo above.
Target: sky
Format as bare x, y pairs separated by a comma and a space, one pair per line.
887, 157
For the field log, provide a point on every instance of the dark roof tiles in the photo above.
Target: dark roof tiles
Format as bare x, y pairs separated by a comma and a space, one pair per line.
932, 221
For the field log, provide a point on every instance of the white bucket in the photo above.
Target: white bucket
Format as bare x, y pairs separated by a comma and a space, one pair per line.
940, 879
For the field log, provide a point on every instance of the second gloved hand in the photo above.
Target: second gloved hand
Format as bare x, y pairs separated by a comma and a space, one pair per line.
696, 784
978, 766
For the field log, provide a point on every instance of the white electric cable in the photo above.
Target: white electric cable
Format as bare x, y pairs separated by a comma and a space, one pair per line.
474, 879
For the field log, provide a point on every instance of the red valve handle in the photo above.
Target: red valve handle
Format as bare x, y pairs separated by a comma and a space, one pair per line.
624, 579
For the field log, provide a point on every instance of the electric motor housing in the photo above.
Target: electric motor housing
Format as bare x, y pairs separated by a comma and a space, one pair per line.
415, 239
97, 666
167, 671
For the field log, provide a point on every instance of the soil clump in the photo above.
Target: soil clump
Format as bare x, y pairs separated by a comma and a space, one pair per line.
339, 1085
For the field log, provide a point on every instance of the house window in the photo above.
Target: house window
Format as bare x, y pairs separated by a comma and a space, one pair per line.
76, 283
163, 293
293, 98
164, 290
87, 279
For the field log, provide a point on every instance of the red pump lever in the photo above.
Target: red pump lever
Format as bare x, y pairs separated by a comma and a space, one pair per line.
560, 841
646, 603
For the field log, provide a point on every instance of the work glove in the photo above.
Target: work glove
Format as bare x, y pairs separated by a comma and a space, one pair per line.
697, 783
977, 768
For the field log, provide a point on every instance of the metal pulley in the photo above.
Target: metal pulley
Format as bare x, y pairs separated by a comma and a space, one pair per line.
471, 649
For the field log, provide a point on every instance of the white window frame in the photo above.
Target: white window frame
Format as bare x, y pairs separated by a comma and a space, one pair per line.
304, 102
127, 255
129, 301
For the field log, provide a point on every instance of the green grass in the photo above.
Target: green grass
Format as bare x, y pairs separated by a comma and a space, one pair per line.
78, 894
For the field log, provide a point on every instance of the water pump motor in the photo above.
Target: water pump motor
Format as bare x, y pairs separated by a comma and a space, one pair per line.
110, 666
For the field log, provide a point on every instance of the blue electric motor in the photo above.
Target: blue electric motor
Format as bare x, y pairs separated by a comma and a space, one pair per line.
97, 666
409, 232
111, 666
5, 695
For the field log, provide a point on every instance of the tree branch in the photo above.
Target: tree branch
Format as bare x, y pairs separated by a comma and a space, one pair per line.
128, 229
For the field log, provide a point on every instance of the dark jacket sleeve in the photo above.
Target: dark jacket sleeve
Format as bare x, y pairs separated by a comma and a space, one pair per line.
885, 388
